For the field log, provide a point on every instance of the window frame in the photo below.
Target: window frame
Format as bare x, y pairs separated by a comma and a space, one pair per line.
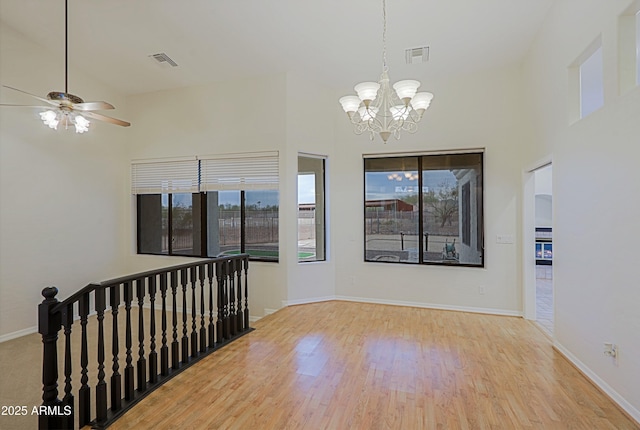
323, 183
202, 195
479, 198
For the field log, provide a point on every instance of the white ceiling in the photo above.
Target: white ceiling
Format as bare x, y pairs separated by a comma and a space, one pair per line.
336, 42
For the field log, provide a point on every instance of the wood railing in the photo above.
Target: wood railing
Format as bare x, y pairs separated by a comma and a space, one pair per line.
201, 306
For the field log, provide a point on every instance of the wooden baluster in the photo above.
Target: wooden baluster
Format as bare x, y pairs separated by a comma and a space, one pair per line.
128, 370
220, 276
194, 310
246, 292
233, 321
239, 312
48, 326
142, 362
226, 321
211, 325
164, 349
175, 357
67, 400
85, 391
185, 338
153, 355
116, 379
203, 331
101, 387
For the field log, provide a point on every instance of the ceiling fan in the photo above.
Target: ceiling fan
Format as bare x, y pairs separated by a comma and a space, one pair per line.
67, 109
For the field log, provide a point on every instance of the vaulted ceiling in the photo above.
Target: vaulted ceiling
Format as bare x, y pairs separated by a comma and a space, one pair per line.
336, 42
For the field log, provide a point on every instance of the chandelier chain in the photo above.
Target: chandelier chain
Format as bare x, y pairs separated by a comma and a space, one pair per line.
384, 36
66, 47
379, 109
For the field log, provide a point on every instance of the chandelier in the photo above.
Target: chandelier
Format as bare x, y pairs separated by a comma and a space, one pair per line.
378, 109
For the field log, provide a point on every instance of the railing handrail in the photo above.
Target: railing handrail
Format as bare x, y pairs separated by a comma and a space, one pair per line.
214, 311
128, 278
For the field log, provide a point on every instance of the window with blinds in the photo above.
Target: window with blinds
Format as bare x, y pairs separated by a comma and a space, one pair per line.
165, 176
208, 205
255, 171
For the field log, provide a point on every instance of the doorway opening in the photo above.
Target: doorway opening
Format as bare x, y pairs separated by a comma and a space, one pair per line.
543, 179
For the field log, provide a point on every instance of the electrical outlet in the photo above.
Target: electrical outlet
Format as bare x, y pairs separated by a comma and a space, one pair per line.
481, 290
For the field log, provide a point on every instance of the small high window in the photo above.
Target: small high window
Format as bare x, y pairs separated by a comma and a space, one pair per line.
591, 84
586, 82
629, 47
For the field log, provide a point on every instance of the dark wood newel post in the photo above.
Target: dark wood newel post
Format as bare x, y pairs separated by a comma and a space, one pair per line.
48, 326
246, 293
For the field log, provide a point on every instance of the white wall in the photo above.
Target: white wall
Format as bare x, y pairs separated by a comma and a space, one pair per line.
479, 111
61, 194
218, 118
595, 189
309, 130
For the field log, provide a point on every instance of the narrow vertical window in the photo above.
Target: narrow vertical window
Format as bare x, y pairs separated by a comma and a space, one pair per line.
153, 223
591, 84
311, 209
629, 47
169, 224
261, 224
228, 226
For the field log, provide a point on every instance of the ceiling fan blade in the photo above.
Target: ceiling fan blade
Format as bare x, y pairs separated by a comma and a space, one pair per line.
28, 106
106, 119
51, 102
89, 106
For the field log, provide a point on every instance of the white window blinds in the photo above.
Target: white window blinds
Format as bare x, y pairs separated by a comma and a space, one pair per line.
249, 171
245, 171
165, 176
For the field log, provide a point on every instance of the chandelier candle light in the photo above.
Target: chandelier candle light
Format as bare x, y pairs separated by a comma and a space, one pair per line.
377, 109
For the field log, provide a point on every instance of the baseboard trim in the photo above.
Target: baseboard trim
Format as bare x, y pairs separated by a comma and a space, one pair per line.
286, 303
474, 310
19, 333
626, 407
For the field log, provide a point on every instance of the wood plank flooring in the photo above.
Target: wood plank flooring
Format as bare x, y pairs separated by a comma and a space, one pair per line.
341, 365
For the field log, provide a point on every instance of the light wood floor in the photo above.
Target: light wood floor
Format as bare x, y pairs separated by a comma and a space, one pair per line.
340, 365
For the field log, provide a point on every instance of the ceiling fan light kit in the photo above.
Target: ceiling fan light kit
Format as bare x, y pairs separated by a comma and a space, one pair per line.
379, 110
64, 106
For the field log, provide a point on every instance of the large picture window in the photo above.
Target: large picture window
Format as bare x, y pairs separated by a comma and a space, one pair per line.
233, 210
424, 209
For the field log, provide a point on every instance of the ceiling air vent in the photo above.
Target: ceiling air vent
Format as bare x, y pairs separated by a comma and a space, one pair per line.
417, 55
164, 58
